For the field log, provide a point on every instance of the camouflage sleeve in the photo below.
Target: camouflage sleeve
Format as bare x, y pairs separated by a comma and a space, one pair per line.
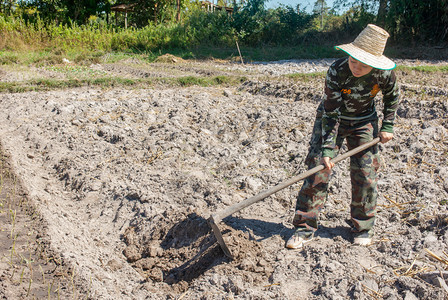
330, 119
391, 96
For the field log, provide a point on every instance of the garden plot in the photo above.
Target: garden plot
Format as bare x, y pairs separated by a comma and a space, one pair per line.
126, 178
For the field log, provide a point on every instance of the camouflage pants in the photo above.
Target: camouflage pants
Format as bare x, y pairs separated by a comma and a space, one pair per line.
363, 173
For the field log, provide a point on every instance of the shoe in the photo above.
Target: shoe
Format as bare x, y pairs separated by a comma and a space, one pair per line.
362, 239
299, 239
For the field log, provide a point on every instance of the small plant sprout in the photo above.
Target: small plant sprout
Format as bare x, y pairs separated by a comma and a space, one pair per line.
43, 273
13, 214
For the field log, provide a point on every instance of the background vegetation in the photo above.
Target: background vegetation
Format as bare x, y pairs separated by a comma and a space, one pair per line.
187, 28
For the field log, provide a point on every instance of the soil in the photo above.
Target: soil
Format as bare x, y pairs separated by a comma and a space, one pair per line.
28, 270
125, 179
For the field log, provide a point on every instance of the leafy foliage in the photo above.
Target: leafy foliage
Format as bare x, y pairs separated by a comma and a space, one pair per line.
418, 20
87, 25
406, 20
65, 11
286, 26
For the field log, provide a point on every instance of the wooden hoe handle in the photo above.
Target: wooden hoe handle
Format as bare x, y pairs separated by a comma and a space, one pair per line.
214, 219
217, 217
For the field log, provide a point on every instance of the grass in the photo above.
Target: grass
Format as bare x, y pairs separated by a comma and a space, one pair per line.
106, 82
424, 69
54, 84
79, 72
262, 53
306, 77
208, 81
269, 53
75, 69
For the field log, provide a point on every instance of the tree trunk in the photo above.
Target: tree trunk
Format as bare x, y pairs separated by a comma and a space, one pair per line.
178, 11
382, 11
322, 16
126, 19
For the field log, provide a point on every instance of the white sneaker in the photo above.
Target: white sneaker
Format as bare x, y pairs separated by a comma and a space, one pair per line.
362, 239
297, 241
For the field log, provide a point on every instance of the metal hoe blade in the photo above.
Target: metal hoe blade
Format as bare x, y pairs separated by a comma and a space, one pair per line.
214, 219
219, 237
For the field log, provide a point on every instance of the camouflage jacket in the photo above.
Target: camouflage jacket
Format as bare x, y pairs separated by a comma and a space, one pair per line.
352, 98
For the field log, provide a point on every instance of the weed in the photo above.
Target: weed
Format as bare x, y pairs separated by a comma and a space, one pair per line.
7, 58
192, 80
29, 286
306, 77
213, 81
21, 275
75, 70
43, 273
13, 248
227, 181
113, 81
424, 69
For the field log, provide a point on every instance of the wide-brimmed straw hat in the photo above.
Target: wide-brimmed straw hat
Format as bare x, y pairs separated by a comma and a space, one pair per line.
368, 48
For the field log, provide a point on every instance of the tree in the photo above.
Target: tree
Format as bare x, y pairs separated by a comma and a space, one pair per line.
382, 12
249, 21
321, 9
418, 20
146, 11
285, 25
65, 11
407, 20
7, 6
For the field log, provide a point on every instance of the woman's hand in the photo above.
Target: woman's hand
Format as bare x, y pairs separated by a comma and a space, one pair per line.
385, 136
326, 161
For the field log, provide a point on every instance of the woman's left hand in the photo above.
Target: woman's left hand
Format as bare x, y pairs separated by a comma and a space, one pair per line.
385, 136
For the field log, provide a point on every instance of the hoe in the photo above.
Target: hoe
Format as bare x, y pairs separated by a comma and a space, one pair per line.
214, 219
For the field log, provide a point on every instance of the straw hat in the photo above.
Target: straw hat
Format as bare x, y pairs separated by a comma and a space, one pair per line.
368, 48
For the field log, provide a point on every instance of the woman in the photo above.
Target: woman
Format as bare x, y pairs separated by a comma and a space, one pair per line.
348, 111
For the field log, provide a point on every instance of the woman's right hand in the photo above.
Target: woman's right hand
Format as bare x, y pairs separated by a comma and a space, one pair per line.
326, 161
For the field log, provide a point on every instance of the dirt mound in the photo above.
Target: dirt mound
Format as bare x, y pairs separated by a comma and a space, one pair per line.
169, 58
178, 249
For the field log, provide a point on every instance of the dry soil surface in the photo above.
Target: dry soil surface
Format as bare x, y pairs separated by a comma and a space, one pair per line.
125, 179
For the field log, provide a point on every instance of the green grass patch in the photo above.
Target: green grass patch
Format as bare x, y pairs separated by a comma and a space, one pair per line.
50, 58
424, 69
87, 58
192, 80
264, 53
54, 84
8, 58
306, 77
116, 81
27, 58
250, 54
13, 87
209, 81
113, 57
50, 84
105, 82
222, 79
269, 53
76, 70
